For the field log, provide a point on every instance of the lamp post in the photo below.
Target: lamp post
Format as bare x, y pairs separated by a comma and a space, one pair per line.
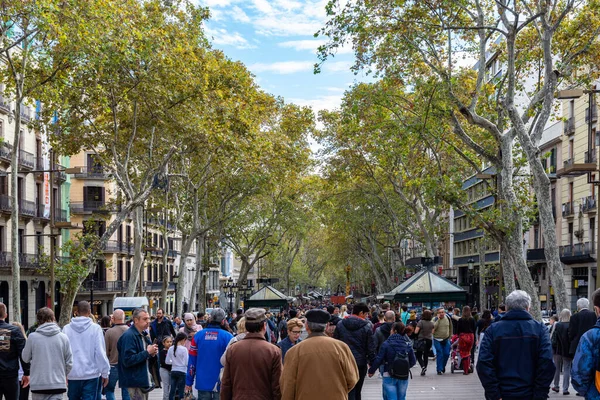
231, 288
471, 263
92, 293
175, 282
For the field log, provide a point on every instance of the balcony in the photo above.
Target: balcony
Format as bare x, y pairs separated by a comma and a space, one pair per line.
27, 208
25, 114
567, 209
39, 163
60, 175
83, 207
590, 157
572, 169
5, 203
26, 261
576, 253
173, 253
26, 159
115, 246
536, 255
4, 105
588, 204
41, 208
5, 150
569, 126
594, 116
94, 172
120, 286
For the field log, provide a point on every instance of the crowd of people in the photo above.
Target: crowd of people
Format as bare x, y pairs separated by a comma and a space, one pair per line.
258, 355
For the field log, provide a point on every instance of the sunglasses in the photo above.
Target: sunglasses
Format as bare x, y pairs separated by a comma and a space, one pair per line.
296, 332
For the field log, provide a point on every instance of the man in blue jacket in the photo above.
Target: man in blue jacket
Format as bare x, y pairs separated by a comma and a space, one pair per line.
206, 349
587, 358
515, 357
134, 353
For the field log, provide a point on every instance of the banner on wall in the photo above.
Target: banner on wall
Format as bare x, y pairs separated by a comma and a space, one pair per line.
46, 165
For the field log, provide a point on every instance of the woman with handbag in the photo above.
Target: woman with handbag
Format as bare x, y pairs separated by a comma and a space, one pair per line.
422, 345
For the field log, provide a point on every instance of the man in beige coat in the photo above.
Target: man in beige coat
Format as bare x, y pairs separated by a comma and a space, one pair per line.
319, 367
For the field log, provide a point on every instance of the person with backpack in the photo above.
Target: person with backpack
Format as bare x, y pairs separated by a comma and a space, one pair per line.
585, 370
397, 357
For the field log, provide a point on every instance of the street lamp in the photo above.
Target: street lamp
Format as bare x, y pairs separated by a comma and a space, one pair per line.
231, 289
175, 282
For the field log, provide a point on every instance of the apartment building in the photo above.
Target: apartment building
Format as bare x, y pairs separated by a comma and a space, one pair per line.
35, 200
576, 194
93, 198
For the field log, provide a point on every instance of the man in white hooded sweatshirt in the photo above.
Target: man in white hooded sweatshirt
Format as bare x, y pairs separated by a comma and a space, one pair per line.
90, 364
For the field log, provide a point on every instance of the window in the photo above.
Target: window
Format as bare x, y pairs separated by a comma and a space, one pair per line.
21, 244
149, 272
572, 109
571, 148
571, 193
536, 235
38, 243
570, 234
120, 270
128, 266
592, 234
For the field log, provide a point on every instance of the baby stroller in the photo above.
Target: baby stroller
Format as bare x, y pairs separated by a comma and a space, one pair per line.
455, 359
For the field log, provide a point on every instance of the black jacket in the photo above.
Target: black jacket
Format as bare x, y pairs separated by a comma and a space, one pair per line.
12, 343
382, 334
560, 339
358, 335
579, 324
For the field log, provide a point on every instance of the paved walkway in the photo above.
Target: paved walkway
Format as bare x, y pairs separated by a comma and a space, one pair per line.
431, 386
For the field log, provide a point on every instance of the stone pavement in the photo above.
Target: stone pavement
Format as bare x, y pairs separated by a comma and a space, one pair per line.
430, 387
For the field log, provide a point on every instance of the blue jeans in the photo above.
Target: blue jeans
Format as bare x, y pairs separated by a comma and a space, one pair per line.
88, 389
208, 395
394, 389
443, 353
109, 390
177, 384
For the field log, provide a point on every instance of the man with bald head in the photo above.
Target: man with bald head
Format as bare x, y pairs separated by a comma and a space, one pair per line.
111, 338
442, 325
383, 331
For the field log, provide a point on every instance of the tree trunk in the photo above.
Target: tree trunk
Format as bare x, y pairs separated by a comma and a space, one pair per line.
14, 218
541, 187
482, 275
138, 256
164, 291
197, 273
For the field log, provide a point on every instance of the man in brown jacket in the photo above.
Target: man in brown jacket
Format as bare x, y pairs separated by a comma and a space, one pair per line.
111, 337
319, 367
252, 365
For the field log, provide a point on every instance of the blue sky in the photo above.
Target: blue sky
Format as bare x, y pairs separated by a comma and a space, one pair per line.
274, 39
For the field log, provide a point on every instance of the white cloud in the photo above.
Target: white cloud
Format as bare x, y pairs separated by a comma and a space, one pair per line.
300, 45
222, 37
217, 3
282, 68
239, 15
337, 66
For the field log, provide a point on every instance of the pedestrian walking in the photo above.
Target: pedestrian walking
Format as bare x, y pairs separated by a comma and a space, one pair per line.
320, 367
90, 364
111, 337
178, 360
161, 327
515, 358
560, 349
405, 314
12, 342
397, 357
23, 384
294, 330
383, 332
356, 332
442, 333
252, 365
190, 328
465, 329
585, 365
581, 322
49, 352
424, 340
135, 351
204, 365
165, 369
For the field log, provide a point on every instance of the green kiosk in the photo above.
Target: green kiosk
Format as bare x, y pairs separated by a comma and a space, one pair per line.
269, 298
426, 288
